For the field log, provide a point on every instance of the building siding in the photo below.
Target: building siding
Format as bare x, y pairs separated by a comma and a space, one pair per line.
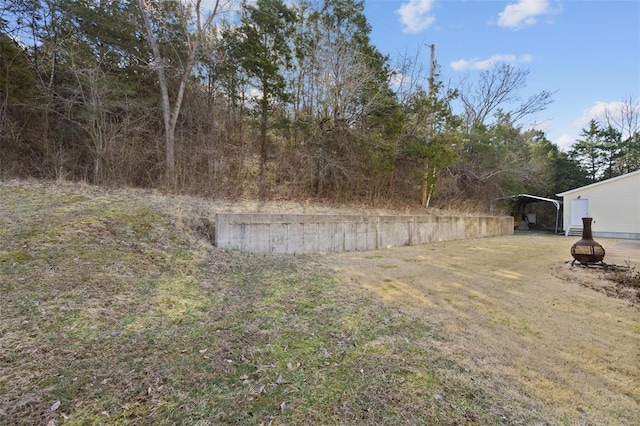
614, 206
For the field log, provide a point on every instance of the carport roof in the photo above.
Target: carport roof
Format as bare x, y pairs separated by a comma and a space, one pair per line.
527, 198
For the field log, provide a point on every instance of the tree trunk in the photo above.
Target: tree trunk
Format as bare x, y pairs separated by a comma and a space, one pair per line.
169, 115
169, 131
424, 202
263, 145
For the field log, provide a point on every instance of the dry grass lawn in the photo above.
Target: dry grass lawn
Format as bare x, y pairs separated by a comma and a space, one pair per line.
513, 311
115, 309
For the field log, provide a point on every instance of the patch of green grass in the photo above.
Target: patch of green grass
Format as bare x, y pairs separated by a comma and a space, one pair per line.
120, 315
387, 266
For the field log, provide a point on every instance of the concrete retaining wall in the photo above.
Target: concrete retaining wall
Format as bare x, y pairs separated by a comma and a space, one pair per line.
309, 233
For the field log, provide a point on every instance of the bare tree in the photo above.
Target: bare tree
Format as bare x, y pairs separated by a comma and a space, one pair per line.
340, 90
411, 76
624, 116
194, 26
497, 92
623, 119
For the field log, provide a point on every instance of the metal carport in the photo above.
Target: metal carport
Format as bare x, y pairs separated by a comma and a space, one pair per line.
527, 198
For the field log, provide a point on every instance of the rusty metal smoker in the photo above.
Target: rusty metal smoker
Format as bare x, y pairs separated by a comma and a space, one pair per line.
587, 250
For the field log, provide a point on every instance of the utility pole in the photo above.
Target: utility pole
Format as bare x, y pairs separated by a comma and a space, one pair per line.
426, 194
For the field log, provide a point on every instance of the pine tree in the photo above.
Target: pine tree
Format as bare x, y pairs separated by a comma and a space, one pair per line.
264, 52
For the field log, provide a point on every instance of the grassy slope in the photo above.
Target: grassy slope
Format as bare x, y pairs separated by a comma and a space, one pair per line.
115, 312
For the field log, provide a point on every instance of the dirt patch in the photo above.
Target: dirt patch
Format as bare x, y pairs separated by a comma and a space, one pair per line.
514, 312
618, 282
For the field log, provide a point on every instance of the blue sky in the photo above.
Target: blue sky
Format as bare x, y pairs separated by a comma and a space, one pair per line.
586, 51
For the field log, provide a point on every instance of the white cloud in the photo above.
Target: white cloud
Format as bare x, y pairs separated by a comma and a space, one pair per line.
524, 13
461, 65
599, 112
592, 113
565, 141
596, 112
398, 79
543, 126
486, 64
415, 15
527, 57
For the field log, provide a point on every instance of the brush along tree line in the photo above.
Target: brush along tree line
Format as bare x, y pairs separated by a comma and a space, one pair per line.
272, 100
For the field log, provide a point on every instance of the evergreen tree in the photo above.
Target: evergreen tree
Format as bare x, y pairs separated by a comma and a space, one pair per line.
433, 135
350, 115
611, 151
264, 51
17, 77
103, 81
629, 158
588, 151
556, 171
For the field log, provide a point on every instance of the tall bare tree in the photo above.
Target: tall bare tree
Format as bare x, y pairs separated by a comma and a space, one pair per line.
623, 119
624, 116
497, 91
195, 25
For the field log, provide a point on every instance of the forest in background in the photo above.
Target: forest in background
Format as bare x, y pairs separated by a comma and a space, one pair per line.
273, 100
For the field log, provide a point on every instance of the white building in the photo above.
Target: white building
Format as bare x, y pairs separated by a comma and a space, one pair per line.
614, 205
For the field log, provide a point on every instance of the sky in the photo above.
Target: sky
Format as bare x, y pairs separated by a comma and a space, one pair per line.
587, 52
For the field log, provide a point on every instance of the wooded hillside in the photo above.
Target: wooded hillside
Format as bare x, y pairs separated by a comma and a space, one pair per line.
271, 101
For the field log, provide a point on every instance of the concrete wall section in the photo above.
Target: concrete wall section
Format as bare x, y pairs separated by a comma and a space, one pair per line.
301, 233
